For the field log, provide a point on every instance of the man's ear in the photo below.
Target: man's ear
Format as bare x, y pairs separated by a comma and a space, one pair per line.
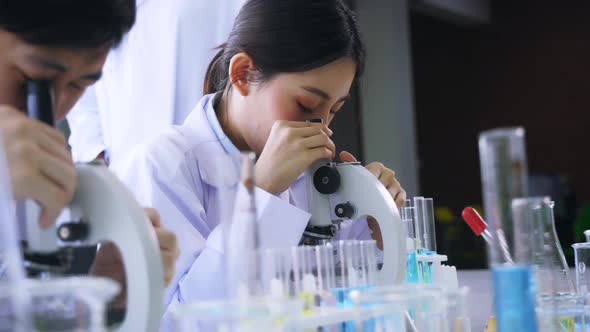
241, 68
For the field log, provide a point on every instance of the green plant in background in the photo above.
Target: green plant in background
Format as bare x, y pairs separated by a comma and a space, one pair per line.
582, 223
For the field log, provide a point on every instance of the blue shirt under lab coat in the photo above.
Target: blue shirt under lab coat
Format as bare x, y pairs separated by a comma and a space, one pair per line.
182, 173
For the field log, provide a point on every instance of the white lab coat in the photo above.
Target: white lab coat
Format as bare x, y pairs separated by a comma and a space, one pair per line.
153, 79
181, 173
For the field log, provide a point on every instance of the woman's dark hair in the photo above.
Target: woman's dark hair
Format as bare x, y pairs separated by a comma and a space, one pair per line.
286, 36
68, 23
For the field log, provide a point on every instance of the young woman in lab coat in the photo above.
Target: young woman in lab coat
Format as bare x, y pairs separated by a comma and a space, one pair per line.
286, 61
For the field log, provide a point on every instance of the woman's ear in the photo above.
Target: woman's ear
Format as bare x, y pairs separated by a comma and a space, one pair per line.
241, 68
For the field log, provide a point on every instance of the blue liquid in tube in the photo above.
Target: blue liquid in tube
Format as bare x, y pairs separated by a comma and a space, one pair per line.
412, 268
343, 300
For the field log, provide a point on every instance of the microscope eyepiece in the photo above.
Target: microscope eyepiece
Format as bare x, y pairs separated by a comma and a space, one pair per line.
39, 101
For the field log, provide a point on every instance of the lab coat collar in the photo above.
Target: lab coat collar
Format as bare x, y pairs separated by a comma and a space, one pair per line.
218, 167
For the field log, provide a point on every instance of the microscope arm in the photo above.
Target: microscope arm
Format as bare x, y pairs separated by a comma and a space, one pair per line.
346, 191
113, 214
370, 198
101, 210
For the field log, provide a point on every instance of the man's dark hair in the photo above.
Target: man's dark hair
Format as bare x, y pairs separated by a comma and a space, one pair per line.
68, 23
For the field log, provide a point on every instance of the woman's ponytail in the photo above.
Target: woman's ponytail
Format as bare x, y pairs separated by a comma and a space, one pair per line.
216, 77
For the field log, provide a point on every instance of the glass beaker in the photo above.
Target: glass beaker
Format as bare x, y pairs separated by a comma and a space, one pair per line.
65, 304
582, 261
552, 270
426, 308
259, 314
446, 311
564, 317
562, 312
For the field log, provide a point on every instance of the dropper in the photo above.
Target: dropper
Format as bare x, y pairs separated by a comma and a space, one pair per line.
477, 224
479, 227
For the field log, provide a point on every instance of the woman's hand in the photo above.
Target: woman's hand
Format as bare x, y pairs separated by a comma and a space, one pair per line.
292, 146
387, 177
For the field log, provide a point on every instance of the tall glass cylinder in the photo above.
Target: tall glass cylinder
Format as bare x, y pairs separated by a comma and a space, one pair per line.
510, 253
504, 177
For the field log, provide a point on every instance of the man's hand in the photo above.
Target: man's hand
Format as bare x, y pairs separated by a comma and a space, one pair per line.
109, 262
40, 165
168, 245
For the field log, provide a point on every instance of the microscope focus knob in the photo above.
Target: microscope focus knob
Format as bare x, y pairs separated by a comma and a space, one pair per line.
326, 180
73, 231
344, 210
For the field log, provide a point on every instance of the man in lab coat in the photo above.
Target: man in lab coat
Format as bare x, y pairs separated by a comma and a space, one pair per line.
153, 79
64, 43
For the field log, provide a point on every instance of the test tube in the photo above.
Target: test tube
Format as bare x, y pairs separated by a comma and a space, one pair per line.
429, 225
351, 265
304, 275
412, 275
419, 221
403, 213
409, 222
369, 251
276, 272
326, 269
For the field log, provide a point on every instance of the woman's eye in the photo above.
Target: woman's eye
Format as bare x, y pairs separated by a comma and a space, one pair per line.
304, 109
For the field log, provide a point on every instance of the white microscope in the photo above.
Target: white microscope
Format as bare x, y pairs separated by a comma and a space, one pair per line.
347, 191
102, 209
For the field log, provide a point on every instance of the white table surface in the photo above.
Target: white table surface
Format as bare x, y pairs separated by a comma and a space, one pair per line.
479, 300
